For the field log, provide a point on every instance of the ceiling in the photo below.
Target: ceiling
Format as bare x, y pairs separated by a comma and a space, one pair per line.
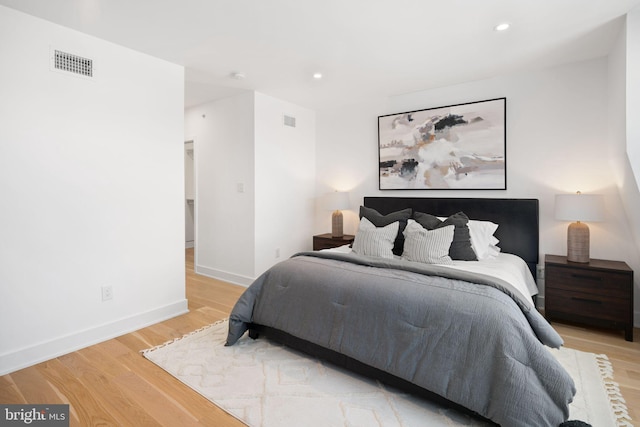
363, 48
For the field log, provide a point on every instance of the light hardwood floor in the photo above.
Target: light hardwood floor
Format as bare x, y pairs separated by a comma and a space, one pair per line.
112, 384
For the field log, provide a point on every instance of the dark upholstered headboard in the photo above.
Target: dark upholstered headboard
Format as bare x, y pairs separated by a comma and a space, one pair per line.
517, 218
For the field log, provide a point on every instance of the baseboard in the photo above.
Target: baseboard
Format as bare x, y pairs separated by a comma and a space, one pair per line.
189, 244
225, 276
28, 356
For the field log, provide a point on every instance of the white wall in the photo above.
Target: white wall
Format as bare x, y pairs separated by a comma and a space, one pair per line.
91, 183
223, 135
557, 138
628, 185
255, 184
285, 181
347, 157
621, 120
633, 89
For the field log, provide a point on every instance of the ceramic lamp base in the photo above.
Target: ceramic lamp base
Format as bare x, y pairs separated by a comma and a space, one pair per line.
578, 242
336, 224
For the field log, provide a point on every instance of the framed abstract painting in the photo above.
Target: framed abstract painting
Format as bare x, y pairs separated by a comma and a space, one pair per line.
460, 146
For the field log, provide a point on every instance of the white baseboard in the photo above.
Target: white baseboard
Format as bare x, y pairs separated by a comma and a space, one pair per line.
189, 244
225, 276
28, 356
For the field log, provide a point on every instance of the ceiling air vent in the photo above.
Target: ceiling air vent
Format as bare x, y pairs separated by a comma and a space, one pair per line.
289, 121
73, 63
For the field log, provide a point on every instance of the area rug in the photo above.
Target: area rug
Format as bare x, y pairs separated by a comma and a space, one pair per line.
265, 384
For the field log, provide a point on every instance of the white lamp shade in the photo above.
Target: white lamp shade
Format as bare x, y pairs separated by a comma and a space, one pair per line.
337, 201
579, 207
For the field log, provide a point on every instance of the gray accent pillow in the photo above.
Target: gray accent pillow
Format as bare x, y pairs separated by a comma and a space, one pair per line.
461, 248
380, 220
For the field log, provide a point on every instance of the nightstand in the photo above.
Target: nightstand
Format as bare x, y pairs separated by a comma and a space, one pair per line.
325, 241
597, 293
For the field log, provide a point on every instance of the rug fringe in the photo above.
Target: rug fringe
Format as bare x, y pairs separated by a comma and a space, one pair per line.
204, 328
612, 388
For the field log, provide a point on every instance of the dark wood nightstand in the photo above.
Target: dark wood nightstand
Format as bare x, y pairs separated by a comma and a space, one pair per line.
325, 241
598, 293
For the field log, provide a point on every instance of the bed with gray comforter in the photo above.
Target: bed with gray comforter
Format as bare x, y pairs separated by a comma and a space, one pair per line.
467, 338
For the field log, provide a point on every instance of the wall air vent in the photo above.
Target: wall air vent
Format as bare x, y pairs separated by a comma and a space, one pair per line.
289, 121
73, 63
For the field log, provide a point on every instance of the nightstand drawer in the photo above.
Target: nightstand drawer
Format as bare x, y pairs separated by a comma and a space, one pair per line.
323, 244
588, 305
588, 281
326, 241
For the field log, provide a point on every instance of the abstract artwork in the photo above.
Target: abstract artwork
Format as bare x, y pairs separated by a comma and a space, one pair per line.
459, 146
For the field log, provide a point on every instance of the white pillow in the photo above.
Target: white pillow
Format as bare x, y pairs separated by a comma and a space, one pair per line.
375, 241
427, 246
483, 241
493, 250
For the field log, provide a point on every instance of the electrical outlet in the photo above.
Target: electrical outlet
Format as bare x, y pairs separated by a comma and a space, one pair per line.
540, 272
107, 293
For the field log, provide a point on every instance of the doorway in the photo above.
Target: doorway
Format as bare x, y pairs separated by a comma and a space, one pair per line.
190, 194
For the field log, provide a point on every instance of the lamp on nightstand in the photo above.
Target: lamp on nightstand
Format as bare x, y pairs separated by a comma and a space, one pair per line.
336, 202
579, 207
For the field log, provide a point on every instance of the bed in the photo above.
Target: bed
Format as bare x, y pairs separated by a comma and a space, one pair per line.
448, 329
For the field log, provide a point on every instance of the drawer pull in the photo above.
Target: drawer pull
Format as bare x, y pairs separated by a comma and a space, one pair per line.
590, 301
585, 277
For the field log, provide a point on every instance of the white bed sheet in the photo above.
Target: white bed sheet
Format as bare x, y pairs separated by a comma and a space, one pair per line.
508, 267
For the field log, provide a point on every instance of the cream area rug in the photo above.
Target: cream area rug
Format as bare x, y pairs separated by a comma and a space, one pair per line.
265, 384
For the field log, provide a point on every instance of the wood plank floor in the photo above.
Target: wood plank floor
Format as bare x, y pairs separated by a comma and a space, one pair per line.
111, 384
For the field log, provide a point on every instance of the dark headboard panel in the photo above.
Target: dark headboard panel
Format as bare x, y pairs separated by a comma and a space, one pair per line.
517, 218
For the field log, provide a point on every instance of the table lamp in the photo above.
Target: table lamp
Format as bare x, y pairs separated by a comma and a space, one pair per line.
337, 201
579, 207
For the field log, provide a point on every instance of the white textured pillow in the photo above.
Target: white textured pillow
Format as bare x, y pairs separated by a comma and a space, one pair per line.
375, 241
427, 246
482, 239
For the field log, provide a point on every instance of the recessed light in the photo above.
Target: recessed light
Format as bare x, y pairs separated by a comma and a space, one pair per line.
317, 76
502, 27
237, 75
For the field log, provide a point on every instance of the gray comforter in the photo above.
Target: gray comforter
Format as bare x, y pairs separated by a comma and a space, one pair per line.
477, 345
